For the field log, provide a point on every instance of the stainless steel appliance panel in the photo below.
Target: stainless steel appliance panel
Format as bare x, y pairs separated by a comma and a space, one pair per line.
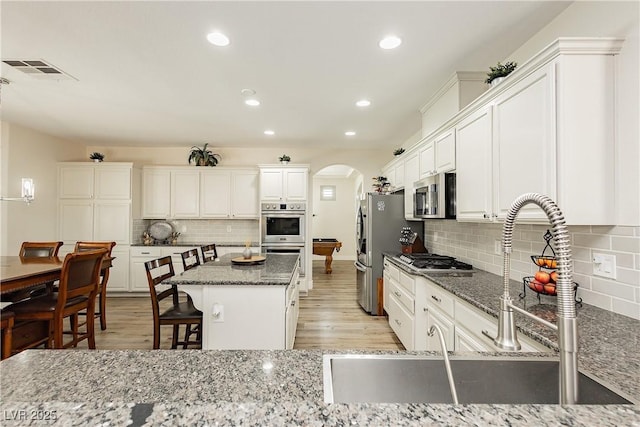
435, 196
283, 227
381, 218
287, 249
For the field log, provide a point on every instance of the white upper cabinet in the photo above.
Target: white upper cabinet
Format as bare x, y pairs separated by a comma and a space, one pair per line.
548, 128
229, 194
445, 151
473, 177
199, 192
95, 202
427, 155
411, 175
156, 193
215, 194
185, 193
283, 183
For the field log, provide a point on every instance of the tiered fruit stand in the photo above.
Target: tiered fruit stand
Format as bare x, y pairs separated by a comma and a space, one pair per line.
544, 281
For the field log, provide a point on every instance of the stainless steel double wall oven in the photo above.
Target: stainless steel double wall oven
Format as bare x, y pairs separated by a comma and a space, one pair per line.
284, 229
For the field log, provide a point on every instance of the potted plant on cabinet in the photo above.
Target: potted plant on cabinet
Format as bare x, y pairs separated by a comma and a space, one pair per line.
499, 72
284, 159
398, 151
96, 157
203, 157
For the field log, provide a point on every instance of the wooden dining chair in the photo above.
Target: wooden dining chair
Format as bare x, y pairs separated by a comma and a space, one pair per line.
209, 252
6, 324
83, 246
39, 249
79, 280
35, 250
178, 313
190, 259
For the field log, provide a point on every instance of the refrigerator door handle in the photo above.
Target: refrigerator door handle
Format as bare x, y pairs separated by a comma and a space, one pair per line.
360, 266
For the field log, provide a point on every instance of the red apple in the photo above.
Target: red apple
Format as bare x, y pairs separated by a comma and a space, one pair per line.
535, 285
542, 277
554, 276
550, 289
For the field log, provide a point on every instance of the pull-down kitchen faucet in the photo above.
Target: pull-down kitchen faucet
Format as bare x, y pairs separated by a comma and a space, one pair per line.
566, 320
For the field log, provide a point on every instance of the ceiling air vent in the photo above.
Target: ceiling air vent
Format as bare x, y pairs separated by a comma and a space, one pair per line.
39, 69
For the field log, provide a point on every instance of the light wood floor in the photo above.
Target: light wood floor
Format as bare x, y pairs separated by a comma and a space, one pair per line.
330, 318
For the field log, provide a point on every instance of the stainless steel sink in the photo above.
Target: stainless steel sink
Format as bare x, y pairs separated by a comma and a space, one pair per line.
423, 379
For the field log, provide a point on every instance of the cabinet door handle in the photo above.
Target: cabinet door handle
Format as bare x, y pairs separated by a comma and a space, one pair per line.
486, 334
485, 215
398, 322
425, 309
398, 294
435, 298
145, 253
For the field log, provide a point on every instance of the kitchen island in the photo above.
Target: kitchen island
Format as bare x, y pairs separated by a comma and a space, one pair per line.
193, 387
245, 307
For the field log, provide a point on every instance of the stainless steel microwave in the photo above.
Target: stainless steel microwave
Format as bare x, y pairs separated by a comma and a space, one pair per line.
435, 196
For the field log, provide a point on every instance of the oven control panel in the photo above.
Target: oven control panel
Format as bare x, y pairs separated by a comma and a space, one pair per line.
283, 206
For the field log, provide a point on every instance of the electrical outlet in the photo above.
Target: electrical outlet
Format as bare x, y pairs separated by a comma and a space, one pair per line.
497, 247
218, 313
228, 229
435, 236
604, 265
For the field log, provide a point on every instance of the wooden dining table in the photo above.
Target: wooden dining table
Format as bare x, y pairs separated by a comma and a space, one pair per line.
18, 273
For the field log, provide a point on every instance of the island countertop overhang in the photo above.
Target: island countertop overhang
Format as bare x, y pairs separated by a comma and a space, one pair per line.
276, 270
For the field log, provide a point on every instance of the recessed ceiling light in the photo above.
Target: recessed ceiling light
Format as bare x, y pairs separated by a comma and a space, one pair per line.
390, 42
350, 133
252, 102
247, 92
218, 39
363, 103
269, 132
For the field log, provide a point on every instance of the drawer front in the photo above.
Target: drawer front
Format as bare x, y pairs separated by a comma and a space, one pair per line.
402, 323
391, 270
402, 296
443, 300
408, 282
146, 251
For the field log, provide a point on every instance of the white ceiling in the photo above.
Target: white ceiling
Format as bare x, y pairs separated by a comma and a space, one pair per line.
145, 74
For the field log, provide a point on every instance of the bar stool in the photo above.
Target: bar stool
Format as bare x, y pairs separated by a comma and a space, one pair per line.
178, 313
190, 259
209, 253
83, 246
77, 291
6, 324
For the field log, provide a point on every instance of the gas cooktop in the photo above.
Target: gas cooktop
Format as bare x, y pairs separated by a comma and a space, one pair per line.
435, 264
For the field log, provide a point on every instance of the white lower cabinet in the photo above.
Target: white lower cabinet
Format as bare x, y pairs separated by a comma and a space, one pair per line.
137, 273
415, 303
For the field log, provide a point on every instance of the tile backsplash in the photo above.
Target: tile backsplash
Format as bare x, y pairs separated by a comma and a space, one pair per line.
217, 231
475, 243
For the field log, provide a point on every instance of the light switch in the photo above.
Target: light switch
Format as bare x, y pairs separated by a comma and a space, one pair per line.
604, 265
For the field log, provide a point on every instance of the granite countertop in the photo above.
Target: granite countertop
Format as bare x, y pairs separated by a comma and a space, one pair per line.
277, 270
285, 387
609, 343
195, 387
198, 244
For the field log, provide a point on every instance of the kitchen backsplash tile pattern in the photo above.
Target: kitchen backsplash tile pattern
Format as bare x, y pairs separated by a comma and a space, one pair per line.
476, 243
218, 231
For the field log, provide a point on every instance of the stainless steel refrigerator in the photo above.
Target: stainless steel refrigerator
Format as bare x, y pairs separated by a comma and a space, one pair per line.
378, 225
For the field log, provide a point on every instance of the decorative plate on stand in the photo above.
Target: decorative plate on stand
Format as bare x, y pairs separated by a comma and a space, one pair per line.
160, 230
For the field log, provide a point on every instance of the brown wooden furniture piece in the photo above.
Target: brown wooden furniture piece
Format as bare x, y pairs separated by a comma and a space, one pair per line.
83, 246
39, 249
325, 248
209, 252
178, 313
79, 279
6, 324
190, 259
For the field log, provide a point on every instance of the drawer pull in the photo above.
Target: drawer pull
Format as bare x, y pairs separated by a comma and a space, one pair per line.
145, 253
398, 294
435, 298
398, 322
486, 334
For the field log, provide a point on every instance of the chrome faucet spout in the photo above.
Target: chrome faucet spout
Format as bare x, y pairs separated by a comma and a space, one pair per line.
566, 324
447, 364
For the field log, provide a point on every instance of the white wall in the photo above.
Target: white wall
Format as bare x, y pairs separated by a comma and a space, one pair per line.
27, 153
337, 218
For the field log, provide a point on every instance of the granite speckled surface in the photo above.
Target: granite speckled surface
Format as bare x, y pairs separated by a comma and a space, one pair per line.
276, 270
191, 387
609, 343
198, 244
